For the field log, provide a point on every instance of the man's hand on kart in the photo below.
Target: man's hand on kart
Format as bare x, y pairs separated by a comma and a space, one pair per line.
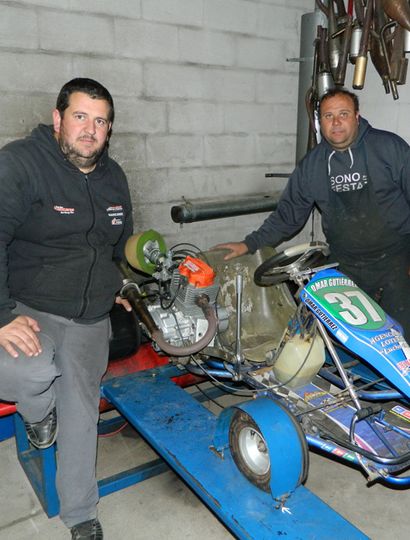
21, 333
236, 249
123, 302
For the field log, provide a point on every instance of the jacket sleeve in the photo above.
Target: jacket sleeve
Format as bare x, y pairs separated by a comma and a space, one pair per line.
405, 175
389, 167
14, 206
401, 212
128, 224
294, 207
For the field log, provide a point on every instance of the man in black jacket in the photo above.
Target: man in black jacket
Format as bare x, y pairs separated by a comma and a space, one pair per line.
65, 215
359, 178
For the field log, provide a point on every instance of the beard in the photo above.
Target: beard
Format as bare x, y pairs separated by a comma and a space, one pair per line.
80, 159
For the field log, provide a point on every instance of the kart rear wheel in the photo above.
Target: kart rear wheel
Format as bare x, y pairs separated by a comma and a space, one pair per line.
249, 450
252, 451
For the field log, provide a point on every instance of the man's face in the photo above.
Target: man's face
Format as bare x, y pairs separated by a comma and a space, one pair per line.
82, 131
338, 121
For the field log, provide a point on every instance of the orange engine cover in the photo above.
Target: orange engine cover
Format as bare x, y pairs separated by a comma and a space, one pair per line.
198, 273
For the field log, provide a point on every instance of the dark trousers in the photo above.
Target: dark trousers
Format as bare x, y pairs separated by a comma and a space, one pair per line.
387, 281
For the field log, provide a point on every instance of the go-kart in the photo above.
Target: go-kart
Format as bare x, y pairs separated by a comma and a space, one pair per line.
328, 368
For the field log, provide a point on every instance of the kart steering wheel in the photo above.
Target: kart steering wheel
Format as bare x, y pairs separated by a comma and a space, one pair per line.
278, 268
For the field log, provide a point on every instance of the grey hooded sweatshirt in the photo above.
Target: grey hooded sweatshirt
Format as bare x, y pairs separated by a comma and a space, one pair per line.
379, 157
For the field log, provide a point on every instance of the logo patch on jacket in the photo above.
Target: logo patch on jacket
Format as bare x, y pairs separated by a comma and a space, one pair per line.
116, 212
348, 182
63, 209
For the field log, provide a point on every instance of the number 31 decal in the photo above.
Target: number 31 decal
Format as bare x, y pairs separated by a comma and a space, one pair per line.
350, 312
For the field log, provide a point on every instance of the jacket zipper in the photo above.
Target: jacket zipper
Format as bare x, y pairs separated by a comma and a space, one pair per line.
90, 271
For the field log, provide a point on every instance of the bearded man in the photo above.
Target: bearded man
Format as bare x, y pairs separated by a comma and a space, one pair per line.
65, 215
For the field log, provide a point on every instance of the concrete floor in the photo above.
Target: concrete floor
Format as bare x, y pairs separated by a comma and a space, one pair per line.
164, 508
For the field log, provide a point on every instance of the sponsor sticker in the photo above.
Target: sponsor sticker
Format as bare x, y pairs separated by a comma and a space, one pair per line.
338, 452
116, 213
63, 209
310, 396
116, 221
400, 411
404, 366
341, 336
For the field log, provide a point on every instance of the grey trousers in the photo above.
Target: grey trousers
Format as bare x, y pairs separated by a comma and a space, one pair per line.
68, 374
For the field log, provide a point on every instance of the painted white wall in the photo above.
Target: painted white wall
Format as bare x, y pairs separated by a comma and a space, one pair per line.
205, 99
380, 109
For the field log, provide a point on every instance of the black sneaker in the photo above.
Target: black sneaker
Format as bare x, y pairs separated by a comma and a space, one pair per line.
87, 530
43, 434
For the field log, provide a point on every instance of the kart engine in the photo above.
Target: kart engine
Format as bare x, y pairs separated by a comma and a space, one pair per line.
177, 304
178, 316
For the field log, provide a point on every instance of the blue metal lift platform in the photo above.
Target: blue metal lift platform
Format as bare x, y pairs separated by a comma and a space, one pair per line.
181, 430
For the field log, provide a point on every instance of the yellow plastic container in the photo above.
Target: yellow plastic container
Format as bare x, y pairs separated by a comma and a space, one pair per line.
299, 361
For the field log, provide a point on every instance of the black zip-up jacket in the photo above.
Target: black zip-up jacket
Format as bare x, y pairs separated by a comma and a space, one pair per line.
60, 230
386, 157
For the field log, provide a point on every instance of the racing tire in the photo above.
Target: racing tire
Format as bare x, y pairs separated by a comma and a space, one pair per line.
249, 450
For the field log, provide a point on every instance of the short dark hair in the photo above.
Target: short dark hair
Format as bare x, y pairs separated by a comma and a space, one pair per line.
88, 86
340, 92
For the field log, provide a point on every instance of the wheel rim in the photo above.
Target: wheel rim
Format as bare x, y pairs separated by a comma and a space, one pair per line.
254, 450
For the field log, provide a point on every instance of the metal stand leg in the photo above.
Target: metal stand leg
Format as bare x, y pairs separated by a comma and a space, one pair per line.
40, 468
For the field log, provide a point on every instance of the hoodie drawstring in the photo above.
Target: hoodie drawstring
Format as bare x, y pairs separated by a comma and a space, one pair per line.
333, 153
328, 161
351, 157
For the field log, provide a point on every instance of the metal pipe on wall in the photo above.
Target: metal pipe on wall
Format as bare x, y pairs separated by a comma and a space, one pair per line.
188, 212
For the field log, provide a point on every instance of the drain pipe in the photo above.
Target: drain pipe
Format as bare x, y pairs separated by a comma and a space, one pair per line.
310, 22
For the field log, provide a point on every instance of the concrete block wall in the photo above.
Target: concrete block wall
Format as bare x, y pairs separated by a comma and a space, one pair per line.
205, 98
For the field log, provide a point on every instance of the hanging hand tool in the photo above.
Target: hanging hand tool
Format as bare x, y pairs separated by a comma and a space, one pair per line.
399, 62
347, 37
324, 79
385, 40
311, 96
333, 40
361, 61
359, 10
380, 51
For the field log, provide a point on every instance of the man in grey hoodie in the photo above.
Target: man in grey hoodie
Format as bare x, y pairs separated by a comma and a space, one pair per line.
359, 179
